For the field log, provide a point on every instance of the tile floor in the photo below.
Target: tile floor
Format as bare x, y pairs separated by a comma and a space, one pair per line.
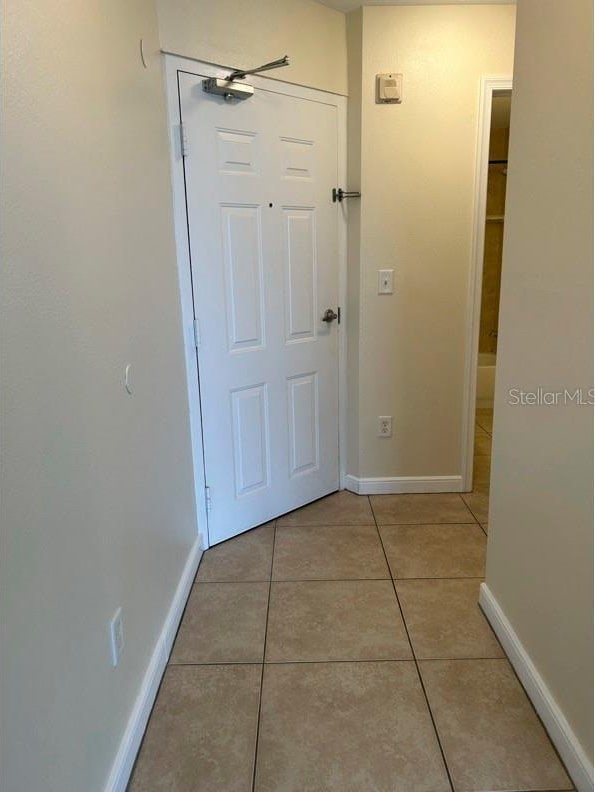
341, 647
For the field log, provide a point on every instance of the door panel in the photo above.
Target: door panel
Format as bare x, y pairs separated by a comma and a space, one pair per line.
304, 438
264, 257
244, 277
251, 439
299, 255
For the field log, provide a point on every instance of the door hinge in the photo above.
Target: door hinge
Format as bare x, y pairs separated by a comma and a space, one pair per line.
196, 333
183, 141
208, 499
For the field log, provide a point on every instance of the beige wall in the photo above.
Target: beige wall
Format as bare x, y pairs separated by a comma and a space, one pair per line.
540, 549
245, 34
417, 170
97, 505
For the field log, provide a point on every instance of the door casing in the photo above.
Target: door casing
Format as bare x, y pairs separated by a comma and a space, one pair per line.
172, 65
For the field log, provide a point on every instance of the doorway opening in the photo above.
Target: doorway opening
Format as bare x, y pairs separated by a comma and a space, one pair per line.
490, 200
490, 288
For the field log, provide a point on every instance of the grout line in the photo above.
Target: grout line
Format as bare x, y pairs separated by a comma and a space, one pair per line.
450, 781
335, 661
455, 659
390, 524
425, 524
295, 580
328, 580
330, 525
312, 662
264, 650
444, 577
475, 517
346, 580
470, 510
198, 664
209, 582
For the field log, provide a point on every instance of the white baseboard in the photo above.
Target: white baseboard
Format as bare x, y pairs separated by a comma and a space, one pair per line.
397, 485
130, 743
577, 763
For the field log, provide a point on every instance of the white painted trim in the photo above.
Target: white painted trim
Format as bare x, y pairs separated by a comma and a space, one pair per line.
488, 86
577, 763
137, 723
398, 485
173, 64
186, 301
342, 250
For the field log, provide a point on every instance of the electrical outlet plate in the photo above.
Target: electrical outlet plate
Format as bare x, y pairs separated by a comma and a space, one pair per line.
116, 631
385, 426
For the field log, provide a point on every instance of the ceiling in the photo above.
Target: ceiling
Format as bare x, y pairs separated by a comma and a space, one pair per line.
350, 5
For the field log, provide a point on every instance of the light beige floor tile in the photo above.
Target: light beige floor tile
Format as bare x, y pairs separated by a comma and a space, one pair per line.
336, 620
340, 508
444, 620
328, 552
202, 732
484, 527
431, 551
491, 736
481, 488
245, 557
223, 623
483, 443
481, 474
485, 419
346, 727
406, 509
479, 503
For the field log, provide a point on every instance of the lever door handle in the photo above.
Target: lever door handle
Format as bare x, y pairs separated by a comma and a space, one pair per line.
329, 315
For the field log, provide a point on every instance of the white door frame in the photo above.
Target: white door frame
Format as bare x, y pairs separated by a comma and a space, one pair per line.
172, 65
489, 86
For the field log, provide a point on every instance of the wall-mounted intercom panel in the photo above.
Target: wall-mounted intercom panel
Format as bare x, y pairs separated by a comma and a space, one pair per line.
389, 88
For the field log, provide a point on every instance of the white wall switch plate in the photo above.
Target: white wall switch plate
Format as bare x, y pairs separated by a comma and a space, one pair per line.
116, 631
386, 279
385, 426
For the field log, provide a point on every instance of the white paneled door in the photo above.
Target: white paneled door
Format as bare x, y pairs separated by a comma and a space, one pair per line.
264, 257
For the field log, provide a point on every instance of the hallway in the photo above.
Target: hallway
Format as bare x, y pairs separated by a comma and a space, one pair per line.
342, 648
